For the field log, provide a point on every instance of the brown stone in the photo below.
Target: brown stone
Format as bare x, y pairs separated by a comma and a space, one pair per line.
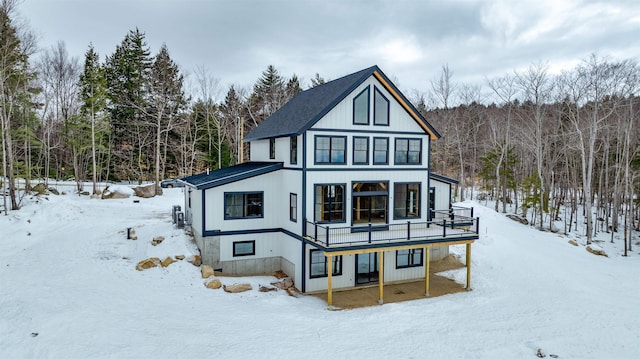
206, 270
113, 195
237, 288
285, 283
147, 191
597, 251
573, 242
214, 284
148, 263
195, 260
157, 240
167, 261
180, 257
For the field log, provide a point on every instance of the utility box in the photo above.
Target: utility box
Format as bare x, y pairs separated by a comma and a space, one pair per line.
180, 219
175, 210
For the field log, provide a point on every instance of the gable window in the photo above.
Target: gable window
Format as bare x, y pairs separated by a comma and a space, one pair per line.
244, 248
406, 200
408, 151
380, 109
329, 203
361, 150
272, 148
361, 108
243, 205
293, 150
293, 207
380, 151
318, 264
406, 258
330, 149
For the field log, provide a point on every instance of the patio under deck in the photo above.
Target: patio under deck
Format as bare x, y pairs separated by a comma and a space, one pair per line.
399, 292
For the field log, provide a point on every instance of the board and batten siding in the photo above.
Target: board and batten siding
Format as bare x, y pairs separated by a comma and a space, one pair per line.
443, 194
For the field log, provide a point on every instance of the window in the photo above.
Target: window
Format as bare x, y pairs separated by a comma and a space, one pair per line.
380, 109
408, 151
406, 200
272, 148
243, 205
406, 258
318, 264
329, 203
293, 150
361, 150
380, 151
361, 108
293, 207
330, 149
369, 202
244, 248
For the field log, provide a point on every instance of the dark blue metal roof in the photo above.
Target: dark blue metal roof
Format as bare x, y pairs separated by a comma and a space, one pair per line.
235, 173
308, 107
442, 178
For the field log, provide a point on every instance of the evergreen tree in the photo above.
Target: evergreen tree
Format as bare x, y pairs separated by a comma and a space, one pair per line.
127, 72
269, 94
317, 80
293, 87
231, 113
93, 96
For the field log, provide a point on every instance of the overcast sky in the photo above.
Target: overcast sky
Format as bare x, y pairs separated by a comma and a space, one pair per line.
235, 40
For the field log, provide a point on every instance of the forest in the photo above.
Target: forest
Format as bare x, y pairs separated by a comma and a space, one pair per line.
550, 147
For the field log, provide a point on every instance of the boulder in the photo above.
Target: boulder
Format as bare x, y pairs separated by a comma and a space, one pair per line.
157, 240
237, 287
285, 283
214, 284
517, 218
113, 195
147, 191
180, 257
167, 261
40, 188
195, 260
148, 263
54, 191
206, 270
597, 250
573, 242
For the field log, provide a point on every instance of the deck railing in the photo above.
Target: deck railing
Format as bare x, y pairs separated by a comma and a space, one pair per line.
330, 235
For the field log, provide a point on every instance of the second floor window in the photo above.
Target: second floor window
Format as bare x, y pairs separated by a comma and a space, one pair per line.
293, 150
329, 203
361, 108
408, 151
272, 148
330, 149
243, 205
380, 151
361, 150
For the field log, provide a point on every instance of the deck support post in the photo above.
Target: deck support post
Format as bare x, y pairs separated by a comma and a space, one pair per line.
468, 263
381, 278
329, 281
426, 271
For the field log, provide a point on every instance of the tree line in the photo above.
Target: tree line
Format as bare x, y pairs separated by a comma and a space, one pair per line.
528, 139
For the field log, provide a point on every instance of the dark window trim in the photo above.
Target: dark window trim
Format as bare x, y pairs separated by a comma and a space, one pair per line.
253, 249
374, 151
337, 265
293, 150
293, 207
315, 150
375, 92
272, 148
366, 162
353, 117
244, 194
395, 151
410, 257
344, 201
419, 199
375, 226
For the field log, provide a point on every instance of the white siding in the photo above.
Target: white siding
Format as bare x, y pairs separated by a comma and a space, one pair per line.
443, 194
260, 151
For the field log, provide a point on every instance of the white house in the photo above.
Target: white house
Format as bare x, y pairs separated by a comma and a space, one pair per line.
337, 193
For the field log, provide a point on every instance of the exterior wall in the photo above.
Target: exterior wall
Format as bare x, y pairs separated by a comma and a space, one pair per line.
260, 151
443, 195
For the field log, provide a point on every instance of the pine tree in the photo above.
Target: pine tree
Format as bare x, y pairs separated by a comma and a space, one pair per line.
231, 113
317, 80
93, 96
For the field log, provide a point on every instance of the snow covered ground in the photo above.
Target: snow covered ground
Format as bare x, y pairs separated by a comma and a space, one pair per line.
69, 289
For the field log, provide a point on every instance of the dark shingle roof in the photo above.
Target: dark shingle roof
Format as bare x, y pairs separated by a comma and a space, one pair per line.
308, 107
442, 178
230, 174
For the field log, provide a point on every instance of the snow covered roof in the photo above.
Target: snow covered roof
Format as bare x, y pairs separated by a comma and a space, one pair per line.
308, 107
235, 173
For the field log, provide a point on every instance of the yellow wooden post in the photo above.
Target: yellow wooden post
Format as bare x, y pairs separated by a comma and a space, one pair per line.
381, 278
329, 278
426, 271
468, 266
